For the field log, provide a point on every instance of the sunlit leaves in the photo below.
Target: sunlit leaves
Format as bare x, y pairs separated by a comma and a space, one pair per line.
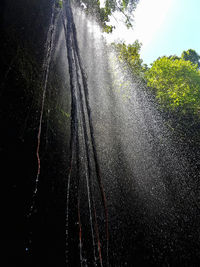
176, 83
130, 56
126, 7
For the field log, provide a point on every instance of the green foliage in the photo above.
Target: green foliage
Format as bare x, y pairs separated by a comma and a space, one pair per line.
176, 83
126, 7
174, 57
108, 29
59, 3
65, 114
130, 54
192, 56
121, 5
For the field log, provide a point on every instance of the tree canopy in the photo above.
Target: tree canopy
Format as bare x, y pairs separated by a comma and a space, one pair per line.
174, 80
176, 83
192, 56
126, 7
130, 54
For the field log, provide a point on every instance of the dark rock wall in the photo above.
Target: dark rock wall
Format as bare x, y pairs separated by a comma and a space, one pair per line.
24, 26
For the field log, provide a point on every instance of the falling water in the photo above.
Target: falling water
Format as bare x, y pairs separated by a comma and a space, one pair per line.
44, 80
79, 87
128, 195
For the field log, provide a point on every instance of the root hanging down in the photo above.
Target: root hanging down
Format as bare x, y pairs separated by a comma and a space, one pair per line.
45, 75
81, 118
82, 143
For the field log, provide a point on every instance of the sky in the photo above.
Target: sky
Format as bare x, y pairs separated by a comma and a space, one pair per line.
164, 27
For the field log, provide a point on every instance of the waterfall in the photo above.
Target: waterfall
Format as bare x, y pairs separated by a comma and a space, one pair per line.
127, 185
81, 121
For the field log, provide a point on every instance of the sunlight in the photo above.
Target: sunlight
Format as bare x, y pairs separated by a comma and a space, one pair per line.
148, 19
102, 3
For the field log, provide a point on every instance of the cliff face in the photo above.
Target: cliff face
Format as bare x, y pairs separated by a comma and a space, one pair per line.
29, 19
24, 27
